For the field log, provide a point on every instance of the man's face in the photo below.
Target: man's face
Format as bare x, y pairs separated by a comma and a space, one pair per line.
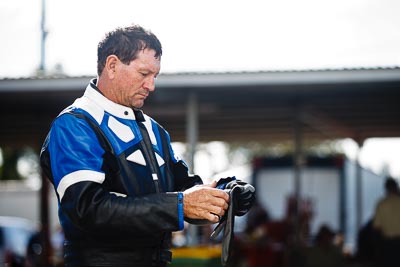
134, 82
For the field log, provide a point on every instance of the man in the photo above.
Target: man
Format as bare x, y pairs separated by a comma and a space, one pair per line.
120, 187
387, 222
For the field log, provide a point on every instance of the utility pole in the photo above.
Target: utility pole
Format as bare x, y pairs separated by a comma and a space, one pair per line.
44, 192
42, 66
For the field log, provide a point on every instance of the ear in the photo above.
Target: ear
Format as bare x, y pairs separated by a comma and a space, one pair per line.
110, 66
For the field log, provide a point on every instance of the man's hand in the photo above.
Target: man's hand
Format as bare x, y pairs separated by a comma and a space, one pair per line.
205, 202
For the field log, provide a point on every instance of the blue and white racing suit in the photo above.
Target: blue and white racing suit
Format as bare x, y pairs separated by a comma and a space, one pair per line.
119, 191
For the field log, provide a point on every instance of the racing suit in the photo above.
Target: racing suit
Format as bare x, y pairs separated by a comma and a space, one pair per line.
118, 183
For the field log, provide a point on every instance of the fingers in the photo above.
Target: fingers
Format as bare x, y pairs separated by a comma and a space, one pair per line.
214, 218
213, 184
220, 194
205, 203
218, 210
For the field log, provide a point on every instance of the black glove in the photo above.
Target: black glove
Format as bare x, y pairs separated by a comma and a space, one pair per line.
227, 223
241, 198
246, 197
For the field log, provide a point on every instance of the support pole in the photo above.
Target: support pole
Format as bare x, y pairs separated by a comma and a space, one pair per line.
192, 139
297, 166
359, 184
192, 128
45, 222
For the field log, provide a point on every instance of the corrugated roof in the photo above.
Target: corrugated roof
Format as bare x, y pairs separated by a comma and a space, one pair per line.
233, 106
200, 79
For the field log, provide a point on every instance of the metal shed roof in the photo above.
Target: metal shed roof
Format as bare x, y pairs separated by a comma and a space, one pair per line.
236, 106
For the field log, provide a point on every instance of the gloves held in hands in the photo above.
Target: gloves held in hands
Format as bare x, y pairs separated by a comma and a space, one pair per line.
245, 198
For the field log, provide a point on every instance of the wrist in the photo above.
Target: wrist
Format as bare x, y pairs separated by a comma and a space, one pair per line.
180, 210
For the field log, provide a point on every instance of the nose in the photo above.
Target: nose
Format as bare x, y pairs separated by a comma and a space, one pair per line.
150, 84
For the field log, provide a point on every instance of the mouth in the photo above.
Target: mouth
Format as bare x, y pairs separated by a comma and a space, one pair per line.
144, 96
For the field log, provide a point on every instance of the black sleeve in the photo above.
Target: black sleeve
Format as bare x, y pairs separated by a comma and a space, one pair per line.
92, 209
182, 179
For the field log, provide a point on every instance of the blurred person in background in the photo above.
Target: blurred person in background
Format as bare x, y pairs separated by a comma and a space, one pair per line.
387, 222
367, 244
324, 252
34, 254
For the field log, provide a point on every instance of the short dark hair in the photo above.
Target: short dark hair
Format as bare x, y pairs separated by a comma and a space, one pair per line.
125, 43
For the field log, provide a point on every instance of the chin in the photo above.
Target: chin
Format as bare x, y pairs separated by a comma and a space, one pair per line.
137, 105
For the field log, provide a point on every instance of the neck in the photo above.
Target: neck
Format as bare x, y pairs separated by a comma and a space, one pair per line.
105, 87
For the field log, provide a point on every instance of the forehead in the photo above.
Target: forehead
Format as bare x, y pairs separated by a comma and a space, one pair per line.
146, 59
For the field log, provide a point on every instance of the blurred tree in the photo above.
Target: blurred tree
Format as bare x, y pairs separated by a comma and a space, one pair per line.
19, 163
8, 169
249, 150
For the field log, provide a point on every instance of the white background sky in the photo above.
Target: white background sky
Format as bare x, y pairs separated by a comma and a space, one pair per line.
214, 35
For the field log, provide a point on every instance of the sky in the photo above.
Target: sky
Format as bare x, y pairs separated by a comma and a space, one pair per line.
208, 35
213, 36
